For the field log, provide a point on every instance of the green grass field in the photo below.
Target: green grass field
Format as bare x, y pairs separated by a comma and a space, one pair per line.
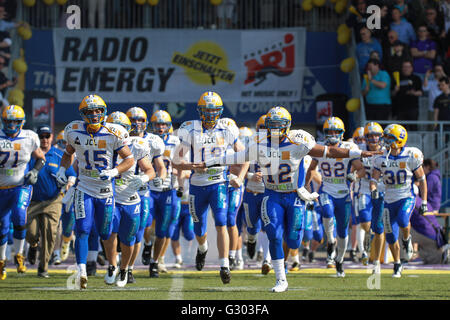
307, 284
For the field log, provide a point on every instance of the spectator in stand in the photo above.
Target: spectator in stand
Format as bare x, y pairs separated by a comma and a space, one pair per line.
423, 51
9, 7
402, 6
377, 92
406, 96
404, 29
436, 29
431, 85
395, 61
385, 21
445, 8
355, 22
365, 47
442, 104
5, 45
5, 83
424, 229
225, 14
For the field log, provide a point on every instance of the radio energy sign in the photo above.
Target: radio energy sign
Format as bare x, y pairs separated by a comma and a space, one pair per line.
167, 65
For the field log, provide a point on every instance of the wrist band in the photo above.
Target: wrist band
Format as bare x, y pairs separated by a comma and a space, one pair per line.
325, 151
250, 175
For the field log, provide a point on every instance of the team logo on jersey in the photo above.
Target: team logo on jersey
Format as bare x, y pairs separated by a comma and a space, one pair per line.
285, 155
77, 141
17, 146
402, 165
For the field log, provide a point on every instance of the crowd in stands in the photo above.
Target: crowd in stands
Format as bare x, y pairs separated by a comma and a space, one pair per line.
408, 57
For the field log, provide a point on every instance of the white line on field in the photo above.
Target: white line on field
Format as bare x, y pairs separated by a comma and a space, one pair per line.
176, 289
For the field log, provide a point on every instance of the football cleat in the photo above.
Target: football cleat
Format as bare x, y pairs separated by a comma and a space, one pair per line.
153, 270
161, 265
311, 257
19, 261
259, 256
340, 270
83, 282
232, 263
200, 259
376, 268
2, 270
295, 266
304, 254
251, 249
110, 276
101, 258
122, 278
353, 256
407, 249
31, 255
266, 267
225, 275
146, 254
331, 254
280, 286
178, 263
239, 264
65, 249
91, 268
56, 258
397, 270
364, 258
130, 277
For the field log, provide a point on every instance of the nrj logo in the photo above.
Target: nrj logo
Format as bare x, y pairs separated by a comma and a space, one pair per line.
205, 63
279, 60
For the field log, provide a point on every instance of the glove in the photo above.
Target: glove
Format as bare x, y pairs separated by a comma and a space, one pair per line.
310, 205
351, 177
108, 174
31, 177
375, 194
157, 182
423, 208
305, 195
180, 192
61, 176
138, 182
67, 200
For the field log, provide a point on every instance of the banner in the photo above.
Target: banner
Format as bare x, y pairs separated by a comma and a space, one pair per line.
144, 65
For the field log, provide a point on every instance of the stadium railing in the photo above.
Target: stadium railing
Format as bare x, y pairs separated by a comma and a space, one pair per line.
247, 14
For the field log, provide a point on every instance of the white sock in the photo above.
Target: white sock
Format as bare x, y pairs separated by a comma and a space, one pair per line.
92, 255
265, 245
3, 251
360, 235
296, 258
56, 252
131, 267
376, 262
203, 247
18, 245
328, 224
232, 254
239, 255
224, 263
342, 247
261, 235
178, 257
278, 267
82, 269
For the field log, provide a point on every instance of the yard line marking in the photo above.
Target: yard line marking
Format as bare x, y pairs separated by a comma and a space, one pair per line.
176, 289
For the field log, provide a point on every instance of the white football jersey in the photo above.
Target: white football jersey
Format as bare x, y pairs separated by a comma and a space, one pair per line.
94, 153
171, 142
204, 144
156, 144
15, 153
368, 162
398, 172
282, 165
124, 195
334, 172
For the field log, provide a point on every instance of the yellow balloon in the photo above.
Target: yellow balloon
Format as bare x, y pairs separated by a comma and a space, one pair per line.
16, 101
343, 28
140, 2
29, 3
215, 2
61, 2
19, 65
353, 104
153, 2
24, 32
344, 38
333, 1
340, 6
307, 5
16, 94
348, 64
49, 2
319, 3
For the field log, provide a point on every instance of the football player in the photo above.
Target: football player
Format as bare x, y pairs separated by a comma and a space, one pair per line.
127, 209
202, 139
139, 123
399, 166
17, 146
334, 193
358, 136
94, 143
166, 203
373, 134
280, 155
